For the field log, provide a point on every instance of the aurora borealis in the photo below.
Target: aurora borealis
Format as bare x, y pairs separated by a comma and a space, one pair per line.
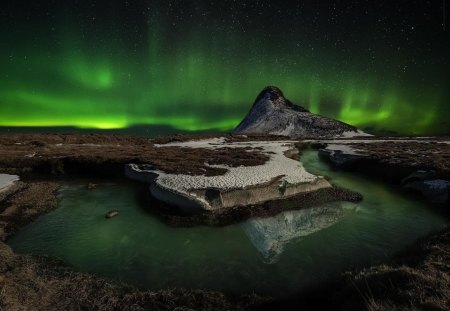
199, 65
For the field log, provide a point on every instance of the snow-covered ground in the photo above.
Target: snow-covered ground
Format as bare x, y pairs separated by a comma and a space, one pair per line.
278, 166
240, 177
350, 134
211, 143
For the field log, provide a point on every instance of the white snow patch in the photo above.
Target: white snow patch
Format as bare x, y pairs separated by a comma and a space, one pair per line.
239, 177
211, 143
7, 181
357, 133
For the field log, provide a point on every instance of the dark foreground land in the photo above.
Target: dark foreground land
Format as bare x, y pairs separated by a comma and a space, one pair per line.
417, 279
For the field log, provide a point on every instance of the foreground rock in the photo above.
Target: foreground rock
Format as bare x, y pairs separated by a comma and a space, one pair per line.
111, 214
7, 181
272, 113
340, 155
436, 190
280, 177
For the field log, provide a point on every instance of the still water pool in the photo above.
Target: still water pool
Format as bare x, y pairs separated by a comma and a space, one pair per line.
280, 254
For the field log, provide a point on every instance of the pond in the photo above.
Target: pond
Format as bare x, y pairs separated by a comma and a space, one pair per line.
276, 255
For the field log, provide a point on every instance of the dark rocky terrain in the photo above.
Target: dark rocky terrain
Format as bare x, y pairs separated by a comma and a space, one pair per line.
416, 279
61, 154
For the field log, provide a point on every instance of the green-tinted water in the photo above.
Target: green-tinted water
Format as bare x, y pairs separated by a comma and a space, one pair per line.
272, 255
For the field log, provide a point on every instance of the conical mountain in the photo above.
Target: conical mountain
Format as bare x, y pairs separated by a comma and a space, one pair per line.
272, 113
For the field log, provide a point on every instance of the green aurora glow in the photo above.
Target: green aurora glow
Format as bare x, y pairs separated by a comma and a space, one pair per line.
191, 78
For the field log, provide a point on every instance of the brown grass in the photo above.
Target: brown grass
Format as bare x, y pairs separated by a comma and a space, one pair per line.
39, 283
419, 278
416, 279
230, 137
431, 155
24, 203
107, 154
425, 155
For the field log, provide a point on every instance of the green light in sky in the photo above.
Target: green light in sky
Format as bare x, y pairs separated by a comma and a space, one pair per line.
199, 65
89, 74
190, 96
195, 85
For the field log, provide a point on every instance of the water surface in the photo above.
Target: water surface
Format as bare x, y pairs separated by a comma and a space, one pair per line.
273, 255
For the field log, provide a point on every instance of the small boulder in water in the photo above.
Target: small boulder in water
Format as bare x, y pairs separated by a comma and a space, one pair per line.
436, 190
112, 214
419, 175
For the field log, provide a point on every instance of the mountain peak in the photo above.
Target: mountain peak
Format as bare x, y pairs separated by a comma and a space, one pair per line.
272, 113
272, 92
276, 97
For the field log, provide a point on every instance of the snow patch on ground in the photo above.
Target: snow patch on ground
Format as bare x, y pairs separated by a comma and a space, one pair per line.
211, 143
7, 181
278, 167
239, 177
357, 133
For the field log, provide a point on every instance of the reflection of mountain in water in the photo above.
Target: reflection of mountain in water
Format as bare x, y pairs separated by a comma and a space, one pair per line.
269, 235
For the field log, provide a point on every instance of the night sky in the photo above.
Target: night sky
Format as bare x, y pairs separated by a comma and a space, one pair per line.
199, 65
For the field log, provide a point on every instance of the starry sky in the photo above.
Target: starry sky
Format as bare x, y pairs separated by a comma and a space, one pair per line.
198, 65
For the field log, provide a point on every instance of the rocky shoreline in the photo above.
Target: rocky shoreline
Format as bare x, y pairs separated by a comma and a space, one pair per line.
223, 217
42, 283
277, 178
422, 167
55, 156
24, 202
